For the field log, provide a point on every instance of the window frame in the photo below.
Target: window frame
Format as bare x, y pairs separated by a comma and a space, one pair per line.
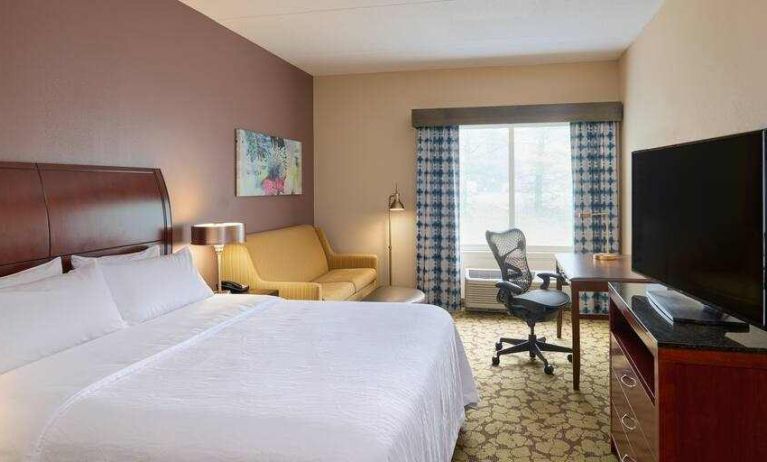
545, 249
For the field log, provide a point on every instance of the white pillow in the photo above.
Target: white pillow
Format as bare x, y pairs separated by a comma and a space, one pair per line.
51, 315
79, 261
145, 289
44, 271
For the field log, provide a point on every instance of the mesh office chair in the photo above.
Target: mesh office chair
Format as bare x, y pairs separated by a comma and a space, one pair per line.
510, 251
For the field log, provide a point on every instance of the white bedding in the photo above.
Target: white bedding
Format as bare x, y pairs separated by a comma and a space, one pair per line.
240, 377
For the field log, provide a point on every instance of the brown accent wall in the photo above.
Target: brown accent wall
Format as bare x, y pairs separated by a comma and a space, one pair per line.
150, 83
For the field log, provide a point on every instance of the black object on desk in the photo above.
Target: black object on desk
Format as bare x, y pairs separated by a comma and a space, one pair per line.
678, 308
235, 287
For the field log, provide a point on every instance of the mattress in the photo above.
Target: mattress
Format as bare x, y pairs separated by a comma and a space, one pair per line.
243, 377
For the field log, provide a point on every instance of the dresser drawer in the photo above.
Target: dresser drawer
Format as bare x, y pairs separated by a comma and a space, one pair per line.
625, 421
635, 411
620, 440
642, 408
641, 403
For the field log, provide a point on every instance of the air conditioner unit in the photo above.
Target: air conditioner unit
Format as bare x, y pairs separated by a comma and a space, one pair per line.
480, 291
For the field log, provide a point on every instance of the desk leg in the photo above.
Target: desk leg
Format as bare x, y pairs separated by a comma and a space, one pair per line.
575, 312
560, 315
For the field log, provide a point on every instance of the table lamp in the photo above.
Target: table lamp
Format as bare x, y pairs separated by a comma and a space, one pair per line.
395, 205
601, 255
218, 235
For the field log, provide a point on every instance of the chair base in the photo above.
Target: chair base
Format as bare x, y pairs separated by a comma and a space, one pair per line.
534, 346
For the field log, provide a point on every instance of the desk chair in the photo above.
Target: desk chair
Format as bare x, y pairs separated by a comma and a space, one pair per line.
510, 251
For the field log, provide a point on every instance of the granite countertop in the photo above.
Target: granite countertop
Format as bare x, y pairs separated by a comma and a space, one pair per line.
686, 335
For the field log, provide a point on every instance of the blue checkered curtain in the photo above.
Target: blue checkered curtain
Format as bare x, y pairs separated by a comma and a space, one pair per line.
594, 147
438, 254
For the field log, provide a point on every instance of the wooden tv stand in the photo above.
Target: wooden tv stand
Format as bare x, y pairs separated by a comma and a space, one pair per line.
683, 392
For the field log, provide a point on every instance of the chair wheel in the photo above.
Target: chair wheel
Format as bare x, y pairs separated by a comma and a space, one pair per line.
498, 346
548, 368
542, 339
570, 357
496, 360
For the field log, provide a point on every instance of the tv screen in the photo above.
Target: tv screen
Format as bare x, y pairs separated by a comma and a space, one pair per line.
698, 220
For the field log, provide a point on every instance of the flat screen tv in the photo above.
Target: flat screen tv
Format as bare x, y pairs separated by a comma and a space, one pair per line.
698, 221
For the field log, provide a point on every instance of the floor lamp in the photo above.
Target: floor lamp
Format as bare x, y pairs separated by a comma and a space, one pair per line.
395, 205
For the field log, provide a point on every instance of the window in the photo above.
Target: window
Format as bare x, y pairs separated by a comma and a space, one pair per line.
517, 176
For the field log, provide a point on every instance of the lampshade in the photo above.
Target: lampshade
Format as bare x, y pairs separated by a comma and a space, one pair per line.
395, 205
218, 233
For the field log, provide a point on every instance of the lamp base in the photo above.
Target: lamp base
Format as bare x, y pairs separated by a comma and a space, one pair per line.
606, 256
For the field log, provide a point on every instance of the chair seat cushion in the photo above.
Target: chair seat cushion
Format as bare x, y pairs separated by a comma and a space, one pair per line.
337, 290
359, 277
550, 299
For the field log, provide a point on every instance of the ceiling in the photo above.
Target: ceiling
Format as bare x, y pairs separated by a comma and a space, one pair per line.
354, 36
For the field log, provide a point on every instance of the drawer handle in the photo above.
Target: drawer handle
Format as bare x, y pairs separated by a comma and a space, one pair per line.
627, 458
628, 417
629, 381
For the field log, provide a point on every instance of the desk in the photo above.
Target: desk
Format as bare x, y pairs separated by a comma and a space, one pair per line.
588, 275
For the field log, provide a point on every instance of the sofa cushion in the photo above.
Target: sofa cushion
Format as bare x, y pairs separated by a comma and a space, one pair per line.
360, 277
292, 254
337, 290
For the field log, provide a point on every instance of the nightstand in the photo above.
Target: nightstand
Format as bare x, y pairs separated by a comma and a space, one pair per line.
273, 292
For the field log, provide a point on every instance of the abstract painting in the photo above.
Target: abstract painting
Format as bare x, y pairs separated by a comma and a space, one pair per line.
267, 165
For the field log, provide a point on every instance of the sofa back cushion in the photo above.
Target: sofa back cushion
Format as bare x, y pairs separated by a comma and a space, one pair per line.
288, 254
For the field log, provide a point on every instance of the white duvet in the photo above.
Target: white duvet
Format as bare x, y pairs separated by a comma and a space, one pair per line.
237, 378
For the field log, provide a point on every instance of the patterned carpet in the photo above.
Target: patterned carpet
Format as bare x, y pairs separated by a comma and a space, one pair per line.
525, 414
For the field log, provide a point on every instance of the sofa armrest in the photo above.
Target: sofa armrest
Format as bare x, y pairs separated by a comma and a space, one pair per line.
236, 265
346, 260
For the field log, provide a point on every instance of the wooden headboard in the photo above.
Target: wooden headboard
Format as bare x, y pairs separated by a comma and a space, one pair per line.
52, 210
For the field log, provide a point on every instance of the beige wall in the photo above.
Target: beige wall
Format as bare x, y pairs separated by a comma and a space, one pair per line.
364, 142
698, 70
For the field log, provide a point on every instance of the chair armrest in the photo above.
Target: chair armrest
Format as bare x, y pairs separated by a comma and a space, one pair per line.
546, 277
510, 287
506, 292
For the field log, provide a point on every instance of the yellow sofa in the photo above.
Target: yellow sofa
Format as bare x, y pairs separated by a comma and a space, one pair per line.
300, 264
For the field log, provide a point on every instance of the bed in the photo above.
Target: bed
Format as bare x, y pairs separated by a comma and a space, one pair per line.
231, 377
